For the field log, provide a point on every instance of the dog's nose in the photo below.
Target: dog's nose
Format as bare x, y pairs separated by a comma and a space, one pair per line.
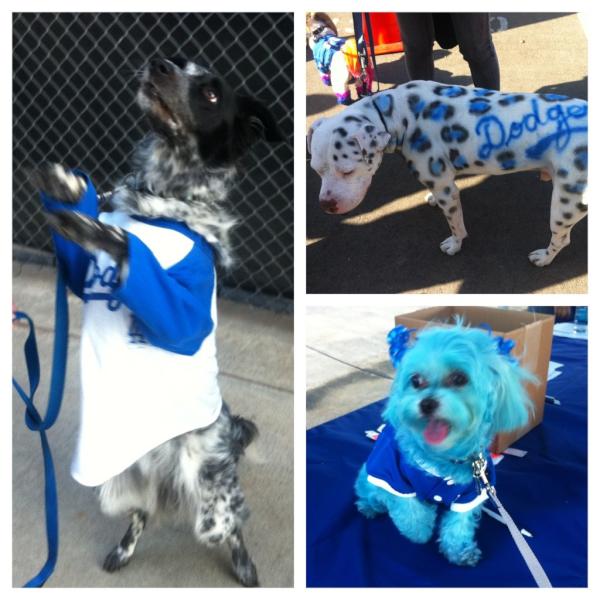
428, 406
329, 206
160, 66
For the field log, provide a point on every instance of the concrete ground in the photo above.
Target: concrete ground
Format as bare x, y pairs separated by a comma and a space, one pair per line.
390, 243
256, 362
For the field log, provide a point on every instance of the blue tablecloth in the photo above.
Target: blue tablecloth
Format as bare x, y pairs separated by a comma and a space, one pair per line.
545, 492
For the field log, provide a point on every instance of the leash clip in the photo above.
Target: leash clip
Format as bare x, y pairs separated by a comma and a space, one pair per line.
480, 473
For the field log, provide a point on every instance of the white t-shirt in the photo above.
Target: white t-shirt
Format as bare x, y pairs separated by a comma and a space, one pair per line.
148, 355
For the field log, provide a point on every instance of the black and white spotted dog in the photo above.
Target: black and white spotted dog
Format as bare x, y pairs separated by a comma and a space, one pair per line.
183, 171
446, 130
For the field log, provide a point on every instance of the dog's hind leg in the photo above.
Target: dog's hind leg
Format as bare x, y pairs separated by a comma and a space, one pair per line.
122, 554
243, 566
568, 207
368, 502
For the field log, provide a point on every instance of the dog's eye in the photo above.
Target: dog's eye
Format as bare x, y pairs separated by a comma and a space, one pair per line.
210, 95
418, 381
456, 379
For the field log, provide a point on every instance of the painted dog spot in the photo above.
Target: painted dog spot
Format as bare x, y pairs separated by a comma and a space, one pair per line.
436, 166
436, 111
479, 106
511, 99
454, 133
419, 141
415, 104
581, 157
506, 160
449, 91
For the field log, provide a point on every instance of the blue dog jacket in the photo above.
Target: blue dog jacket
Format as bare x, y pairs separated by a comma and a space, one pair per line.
148, 354
389, 470
324, 50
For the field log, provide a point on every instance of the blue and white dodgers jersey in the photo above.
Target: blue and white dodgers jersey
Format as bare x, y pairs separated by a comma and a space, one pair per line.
388, 469
148, 354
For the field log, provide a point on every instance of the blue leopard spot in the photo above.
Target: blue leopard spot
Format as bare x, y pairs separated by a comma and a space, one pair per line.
437, 111
553, 97
415, 104
419, 141
511, 99
575, 188
479, 106
482, 92
581, 157
507, 160
454, 133
458, 160
449, 91
436, 166
385, 103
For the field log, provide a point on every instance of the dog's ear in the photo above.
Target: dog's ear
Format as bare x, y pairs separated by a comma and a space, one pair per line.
254, 121
370, 140
311, 130
512, 406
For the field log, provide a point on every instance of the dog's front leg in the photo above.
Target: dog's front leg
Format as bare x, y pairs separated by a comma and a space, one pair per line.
413, 518
457, 537
121, 555
59, 183
90, 234
447, 197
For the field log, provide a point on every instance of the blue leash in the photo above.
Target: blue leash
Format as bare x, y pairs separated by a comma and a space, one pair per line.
34, 420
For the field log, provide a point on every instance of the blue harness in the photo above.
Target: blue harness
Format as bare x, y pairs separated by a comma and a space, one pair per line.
34, 420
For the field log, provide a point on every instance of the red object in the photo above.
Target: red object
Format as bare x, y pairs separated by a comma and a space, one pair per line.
386, 33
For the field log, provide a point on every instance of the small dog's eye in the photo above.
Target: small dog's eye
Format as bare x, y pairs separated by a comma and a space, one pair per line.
457, 379
418, 381
210, 95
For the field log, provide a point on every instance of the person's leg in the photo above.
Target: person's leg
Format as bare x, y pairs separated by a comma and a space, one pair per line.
475, 42
417, 37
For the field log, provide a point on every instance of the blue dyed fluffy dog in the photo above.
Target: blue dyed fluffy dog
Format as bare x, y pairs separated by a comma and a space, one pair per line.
455, 388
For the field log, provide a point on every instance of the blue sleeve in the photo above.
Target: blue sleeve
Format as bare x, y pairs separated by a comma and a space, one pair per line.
72, 257
172, 307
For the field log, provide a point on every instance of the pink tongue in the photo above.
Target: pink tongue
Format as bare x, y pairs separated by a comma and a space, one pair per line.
436, 431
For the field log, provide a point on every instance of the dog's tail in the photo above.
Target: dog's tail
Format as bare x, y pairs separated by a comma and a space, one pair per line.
243, 432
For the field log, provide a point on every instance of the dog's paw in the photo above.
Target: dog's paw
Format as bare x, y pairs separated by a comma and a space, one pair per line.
59, 183
451, 245
246, 574
541, 257
468, 556
430, 199
89, 233
115, 560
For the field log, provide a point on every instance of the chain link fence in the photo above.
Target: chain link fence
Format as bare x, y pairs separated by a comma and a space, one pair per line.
74, 92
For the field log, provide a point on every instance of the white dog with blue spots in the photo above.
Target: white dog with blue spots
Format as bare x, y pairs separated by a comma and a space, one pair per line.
444, 130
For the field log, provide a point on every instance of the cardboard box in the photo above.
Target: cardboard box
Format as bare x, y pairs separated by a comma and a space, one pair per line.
531, 332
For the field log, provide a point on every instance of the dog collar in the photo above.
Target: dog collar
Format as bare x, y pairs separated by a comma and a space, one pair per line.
395, 143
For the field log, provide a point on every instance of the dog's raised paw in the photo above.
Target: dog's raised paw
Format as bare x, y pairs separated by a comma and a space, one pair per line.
59, 183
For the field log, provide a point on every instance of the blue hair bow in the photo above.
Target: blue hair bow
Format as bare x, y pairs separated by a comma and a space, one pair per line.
505, 345
398, 339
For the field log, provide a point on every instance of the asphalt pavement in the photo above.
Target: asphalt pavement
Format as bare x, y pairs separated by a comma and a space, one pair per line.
390, 243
